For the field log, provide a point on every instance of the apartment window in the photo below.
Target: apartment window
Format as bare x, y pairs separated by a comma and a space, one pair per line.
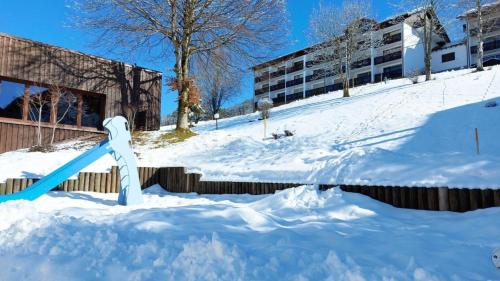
448, 57
11, 99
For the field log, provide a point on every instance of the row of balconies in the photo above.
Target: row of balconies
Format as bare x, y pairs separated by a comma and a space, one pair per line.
362, 80
389, 39
296, 67
319, 74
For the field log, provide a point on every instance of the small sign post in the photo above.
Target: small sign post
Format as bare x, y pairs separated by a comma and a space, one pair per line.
216, 117
476, 135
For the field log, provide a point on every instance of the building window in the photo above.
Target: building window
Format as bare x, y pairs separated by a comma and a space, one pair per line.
11, 99
39, 104
67, 109
91, 111
297, 77
448, 57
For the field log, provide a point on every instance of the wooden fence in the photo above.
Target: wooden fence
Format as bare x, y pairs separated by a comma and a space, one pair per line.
175, 179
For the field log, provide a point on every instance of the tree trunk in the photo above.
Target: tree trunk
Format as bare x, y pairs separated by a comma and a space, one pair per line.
427, 46
182, 73
480, 50
346, 88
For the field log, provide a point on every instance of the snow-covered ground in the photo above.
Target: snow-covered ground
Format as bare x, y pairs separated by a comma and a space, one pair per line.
395, 133
295, 234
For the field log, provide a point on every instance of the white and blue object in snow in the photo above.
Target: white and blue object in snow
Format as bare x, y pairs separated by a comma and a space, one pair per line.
117, 144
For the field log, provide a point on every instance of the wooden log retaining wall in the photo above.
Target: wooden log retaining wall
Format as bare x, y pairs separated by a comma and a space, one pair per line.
175, 179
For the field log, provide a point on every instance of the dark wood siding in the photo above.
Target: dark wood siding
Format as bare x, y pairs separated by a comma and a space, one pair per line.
123, 87
122, 84
15, 135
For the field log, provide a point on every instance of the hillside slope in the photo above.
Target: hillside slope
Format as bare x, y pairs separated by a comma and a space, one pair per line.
395, 134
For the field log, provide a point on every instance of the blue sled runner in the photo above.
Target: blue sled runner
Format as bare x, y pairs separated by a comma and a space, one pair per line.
117, 144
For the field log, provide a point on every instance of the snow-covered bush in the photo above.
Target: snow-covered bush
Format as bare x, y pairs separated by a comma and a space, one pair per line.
264, 105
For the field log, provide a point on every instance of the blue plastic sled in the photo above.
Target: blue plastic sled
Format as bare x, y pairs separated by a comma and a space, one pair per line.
117, 144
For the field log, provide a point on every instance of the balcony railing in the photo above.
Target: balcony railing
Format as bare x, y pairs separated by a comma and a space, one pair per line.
315, 92
295, 67
295, 82
261, 91
296, 96
277, 73
492, 45
361, 63
278, 86
388, 57
389, 39
279, 99
261, 78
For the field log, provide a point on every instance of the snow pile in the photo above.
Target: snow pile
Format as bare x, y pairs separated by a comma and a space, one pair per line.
296, 234
397, 133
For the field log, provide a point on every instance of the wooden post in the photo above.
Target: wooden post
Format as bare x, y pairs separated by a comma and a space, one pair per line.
3, 186
10, 184
443, 199
477, 140
265, 127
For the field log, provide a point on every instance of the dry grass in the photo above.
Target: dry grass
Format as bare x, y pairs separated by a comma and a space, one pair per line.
174, 136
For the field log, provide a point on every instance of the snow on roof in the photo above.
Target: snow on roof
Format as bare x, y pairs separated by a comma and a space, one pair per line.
485, 7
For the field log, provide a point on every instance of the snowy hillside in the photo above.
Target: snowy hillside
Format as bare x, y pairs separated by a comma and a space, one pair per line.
395, 134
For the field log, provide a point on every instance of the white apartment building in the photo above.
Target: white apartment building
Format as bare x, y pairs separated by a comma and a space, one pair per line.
491, 34
298, 75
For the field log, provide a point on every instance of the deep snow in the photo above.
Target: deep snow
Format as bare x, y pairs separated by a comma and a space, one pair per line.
393, 134
295, 234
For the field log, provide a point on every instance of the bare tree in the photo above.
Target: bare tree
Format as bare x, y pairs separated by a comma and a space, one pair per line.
433, 16
189, 28
218, 82
62, 103
39, 110
475, 10
343, 33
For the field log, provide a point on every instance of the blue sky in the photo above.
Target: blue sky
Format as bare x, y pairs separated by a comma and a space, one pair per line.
48, 21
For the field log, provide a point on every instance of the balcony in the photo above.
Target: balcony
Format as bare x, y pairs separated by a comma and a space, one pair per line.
280, 99
389, 39
295, 82
362, 80
260, 79
295, 67
320, 74
278, 86
296, 96
489, 46
261, 91
312, 63
361, 63
277, 73
315, 92
388, 57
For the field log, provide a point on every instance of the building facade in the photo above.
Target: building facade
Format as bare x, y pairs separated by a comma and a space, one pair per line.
34, 76
491, 34
398, 53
